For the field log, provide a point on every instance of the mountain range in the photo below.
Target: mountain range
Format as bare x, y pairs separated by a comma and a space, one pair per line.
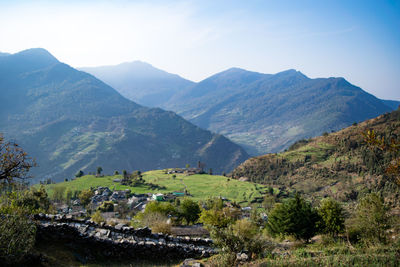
264, 112
68, 120
141, 82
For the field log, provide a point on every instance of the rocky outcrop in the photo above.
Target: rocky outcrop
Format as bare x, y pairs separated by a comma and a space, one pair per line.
94, 240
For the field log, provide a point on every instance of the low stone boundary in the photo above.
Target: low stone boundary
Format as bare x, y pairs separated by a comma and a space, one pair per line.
95, 240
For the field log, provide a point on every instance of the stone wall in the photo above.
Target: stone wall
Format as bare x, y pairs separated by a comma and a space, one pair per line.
100, 240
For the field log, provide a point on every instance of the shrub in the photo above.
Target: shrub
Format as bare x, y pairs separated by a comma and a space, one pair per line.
106, 206
97, 218
17, 231
17, 236
157, 222
241, 236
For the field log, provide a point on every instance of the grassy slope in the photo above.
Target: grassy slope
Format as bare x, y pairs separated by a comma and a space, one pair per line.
334, 165
199, 186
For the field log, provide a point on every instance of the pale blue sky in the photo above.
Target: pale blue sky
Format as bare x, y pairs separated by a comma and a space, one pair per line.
358, 40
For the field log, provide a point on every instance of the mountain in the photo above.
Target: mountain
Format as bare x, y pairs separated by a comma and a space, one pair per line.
266, 113
339, 164
394, 104
141, 82
69, 120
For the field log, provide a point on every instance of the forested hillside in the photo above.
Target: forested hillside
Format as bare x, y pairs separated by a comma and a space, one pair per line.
68, 120
339, 164
267, 113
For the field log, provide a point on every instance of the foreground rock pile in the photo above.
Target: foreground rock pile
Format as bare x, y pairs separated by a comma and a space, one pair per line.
94, 240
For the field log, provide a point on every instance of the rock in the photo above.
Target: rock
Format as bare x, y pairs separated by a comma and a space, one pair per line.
191, 263
119, 226
242, 257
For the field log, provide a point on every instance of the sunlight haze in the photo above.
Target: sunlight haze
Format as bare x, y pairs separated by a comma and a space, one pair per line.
358, 40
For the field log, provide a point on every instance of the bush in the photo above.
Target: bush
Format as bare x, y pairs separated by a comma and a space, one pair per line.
106, 206
97, 218
17, 236
157, 222
17, 231
241, 236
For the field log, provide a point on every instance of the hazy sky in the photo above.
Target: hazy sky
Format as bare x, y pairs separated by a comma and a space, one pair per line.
358, 40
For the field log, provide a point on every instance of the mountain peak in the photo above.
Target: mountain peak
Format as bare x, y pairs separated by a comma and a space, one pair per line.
37, 54
291, 73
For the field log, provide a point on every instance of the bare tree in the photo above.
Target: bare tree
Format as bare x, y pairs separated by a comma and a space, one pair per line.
14, 162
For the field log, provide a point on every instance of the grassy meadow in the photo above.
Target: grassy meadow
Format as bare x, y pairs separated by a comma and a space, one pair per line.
199, 186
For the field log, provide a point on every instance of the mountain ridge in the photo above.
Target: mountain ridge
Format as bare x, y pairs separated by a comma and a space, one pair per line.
69, 120
140, 81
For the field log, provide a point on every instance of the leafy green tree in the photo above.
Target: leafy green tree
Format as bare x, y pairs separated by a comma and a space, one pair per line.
85, 197
116, 173
164, 208
372, 219
332, 217
215, 215
294, 217
189, 210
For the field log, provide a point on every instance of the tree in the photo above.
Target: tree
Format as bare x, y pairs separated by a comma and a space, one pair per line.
79, 174
99, 170
116, 173
14, 162
372, 219
392, 147
332, 217
58, 193
85, 197
189, 210
294, 217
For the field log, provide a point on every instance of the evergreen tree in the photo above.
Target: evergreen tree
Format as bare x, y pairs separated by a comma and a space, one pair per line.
295, 217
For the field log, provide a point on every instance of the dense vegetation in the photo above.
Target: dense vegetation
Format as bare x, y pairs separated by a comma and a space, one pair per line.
340, 164
69, 120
